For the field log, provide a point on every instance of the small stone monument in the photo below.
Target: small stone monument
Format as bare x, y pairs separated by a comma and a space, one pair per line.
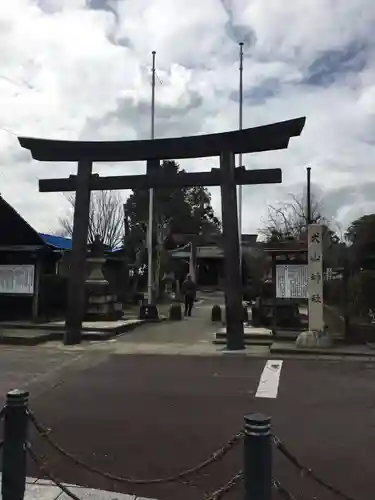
101, 304
317, 334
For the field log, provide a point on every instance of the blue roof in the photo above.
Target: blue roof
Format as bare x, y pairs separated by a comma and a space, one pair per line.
57, 241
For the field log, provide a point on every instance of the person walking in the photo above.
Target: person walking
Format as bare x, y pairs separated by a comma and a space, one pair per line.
189, 291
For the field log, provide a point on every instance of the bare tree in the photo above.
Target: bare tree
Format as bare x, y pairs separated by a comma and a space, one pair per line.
106, 218
289, 219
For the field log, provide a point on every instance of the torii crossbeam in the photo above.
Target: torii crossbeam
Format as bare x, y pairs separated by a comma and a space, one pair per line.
225, 145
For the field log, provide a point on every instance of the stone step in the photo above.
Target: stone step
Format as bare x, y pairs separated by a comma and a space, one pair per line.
336, 350
261, 334
250, 331
247, 341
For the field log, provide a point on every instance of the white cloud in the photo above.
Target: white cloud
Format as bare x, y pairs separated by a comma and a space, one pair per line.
76, 69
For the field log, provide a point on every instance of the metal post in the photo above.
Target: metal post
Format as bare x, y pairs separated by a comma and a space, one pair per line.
13, 480
258, 457
151, 193
125, 261
274, 300
126, 223
240, 155
191, 264
35, 304
308, 196
345, 300
77, 272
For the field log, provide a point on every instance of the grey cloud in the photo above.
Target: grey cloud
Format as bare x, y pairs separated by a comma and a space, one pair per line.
167, 120
107, 5
48, 6
259, 94
304, 60
236, 32
335, 64
351, 198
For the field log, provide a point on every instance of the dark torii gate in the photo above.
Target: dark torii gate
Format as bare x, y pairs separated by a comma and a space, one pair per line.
225, 145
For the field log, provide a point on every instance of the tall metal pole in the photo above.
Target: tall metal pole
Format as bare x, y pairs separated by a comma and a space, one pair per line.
240, 155
308, 196
151, 192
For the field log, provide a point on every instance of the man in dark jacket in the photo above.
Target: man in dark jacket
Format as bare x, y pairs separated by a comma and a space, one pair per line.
189, 291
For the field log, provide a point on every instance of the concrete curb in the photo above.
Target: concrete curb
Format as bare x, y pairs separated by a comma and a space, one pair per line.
24, 336
54, 327
44, 489
328, 351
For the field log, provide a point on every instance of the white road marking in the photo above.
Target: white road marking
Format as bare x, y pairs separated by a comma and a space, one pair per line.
269, 380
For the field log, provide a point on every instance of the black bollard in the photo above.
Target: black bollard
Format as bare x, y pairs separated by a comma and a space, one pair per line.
13, 480
175, 312
258, 457
245, 314
148, 312
216, 313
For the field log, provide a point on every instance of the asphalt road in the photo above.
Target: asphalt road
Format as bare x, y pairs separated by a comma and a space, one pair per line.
151, 416
35, 369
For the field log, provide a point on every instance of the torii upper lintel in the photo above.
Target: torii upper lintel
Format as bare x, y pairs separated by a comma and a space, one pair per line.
250, 140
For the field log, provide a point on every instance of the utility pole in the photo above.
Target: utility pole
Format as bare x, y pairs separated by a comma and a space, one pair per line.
151, 193
126, 222
126, 274
308, 196
240, 155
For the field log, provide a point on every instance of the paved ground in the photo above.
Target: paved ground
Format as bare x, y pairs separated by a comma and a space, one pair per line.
43, 489
191, 330
150, 416
153, 415
191, 336
36, 369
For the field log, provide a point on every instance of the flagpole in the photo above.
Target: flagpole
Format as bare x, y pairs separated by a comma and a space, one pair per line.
240, 155
151, 191
191, 266
308, 196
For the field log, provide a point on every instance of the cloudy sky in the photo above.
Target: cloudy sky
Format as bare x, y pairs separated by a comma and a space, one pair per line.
80, 69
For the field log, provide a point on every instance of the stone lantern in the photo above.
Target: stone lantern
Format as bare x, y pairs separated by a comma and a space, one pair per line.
101, 303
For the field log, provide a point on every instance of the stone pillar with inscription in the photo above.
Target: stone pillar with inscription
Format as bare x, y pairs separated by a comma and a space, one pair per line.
317, 335
315, 278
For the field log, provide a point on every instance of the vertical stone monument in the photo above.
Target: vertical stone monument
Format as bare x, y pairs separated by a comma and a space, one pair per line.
317, 335
101, 303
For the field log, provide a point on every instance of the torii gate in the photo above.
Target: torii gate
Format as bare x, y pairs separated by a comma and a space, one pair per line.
225, 145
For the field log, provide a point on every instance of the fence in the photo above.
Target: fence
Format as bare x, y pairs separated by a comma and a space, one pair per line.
257, 440
349, 298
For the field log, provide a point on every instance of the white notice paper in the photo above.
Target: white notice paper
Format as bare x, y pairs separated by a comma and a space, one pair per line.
291, 281
17, 280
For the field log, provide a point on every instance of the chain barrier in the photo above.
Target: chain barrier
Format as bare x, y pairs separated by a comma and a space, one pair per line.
184, 475
215, 457
220, 492
308, 471
42, 466
43, 469
283, 492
